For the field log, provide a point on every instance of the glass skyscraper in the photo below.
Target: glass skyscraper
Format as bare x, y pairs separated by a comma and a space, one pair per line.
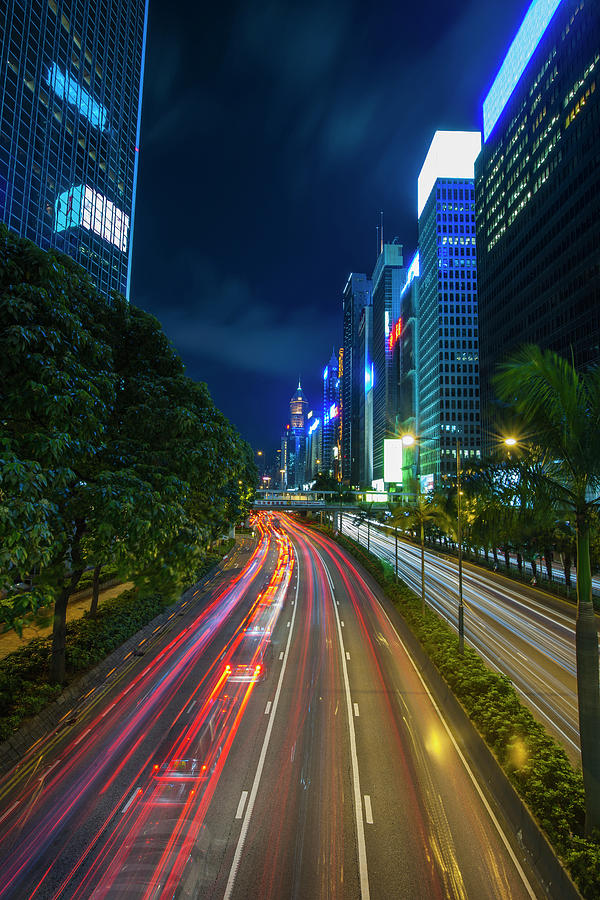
537, 186
447, 334
71, 80
357, 295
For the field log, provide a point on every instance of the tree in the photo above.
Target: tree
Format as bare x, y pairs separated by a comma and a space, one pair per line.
560, 408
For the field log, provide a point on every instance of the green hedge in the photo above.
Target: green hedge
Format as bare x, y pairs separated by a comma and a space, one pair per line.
24, 686
538, 768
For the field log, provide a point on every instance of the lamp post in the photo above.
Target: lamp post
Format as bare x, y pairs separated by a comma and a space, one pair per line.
409, 440
461, 616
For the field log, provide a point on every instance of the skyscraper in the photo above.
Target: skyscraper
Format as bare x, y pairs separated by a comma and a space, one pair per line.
296, 440
448, 336
404, 343
71, 75
389, 276
331, 415
537, 186
357, 295
365, 398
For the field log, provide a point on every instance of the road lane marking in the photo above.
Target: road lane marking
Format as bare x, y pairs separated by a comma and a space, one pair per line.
356, 712
191, 706
240, 810
81, 737
281, 655
268, 708
358, 813
137, 791
342, 623
288, 625
482, 797
261, 763
347, 655
368, 810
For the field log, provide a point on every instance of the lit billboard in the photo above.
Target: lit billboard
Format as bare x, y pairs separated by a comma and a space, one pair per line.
83, 206
67, 88
451, 154
392, 460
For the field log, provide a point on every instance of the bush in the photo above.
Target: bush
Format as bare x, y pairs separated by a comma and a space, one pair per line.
538, 768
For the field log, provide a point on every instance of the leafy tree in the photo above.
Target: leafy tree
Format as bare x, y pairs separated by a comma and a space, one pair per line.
560, 408
414, 518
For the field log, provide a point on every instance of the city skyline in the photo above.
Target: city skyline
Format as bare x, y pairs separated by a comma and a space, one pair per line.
294, 159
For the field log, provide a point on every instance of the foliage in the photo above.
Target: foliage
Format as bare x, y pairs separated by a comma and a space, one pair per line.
109, 454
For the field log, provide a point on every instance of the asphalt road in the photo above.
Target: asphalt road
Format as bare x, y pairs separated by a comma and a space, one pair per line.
321, 768
520, 631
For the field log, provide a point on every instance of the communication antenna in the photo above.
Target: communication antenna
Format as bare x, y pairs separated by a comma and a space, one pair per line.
381, 229
377, 230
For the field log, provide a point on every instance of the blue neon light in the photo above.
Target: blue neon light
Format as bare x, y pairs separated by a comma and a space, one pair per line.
533, 26
68, 89
325, 373
314, 426
369, 378
413, 271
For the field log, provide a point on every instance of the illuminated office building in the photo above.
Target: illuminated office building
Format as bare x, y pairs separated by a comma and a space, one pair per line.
357, 295
71, 76
388, 279
404, 346
448, 381
330, 462
365, 398
537, 187
314, 446
296, 440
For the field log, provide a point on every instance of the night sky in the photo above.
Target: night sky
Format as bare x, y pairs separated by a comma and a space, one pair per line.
273, 133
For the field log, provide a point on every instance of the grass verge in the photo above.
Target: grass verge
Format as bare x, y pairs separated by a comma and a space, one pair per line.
537, 767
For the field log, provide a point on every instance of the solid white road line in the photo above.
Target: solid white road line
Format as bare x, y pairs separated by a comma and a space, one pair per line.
241, 804
261, 763
368, 810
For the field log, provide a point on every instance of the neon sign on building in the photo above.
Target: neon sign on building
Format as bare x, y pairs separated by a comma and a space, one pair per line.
395, 332
83, 206
69, 89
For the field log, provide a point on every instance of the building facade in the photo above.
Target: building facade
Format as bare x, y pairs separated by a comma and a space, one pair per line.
388, 280
537, 187
330, 462
71, 75
296, 440
357, 295
365, 398
448, 380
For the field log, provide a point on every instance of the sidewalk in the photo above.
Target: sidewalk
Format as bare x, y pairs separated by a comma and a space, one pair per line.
10, 641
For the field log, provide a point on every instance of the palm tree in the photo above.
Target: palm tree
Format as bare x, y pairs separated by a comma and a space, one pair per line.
560, 408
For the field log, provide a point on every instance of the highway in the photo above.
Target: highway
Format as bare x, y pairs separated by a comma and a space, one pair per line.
522, 632
277, 740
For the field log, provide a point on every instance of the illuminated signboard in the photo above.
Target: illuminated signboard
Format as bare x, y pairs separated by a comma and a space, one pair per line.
333, 411
452, 154
325, 373
392, 460
85, 207
533, 26
413, 271
67, 88
314, 426
426, 483
395, 333
368, 378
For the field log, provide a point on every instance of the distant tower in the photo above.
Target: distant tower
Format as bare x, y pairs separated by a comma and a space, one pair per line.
296, 440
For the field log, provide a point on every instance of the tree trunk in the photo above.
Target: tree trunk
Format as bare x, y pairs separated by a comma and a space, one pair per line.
533, 569
59, 631
588, 690
95, 592
507, 558
495, 552
422, 572
520, 563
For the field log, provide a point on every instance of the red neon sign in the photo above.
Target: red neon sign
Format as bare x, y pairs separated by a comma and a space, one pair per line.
395, 333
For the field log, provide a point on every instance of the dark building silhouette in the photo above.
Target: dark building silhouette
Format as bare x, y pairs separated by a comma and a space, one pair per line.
537, 185
357, 295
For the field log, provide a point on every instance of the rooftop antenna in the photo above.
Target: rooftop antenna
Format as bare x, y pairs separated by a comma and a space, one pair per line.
377, 230
381, 229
